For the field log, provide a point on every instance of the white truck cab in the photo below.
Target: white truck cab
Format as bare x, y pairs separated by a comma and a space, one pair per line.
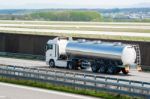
55, 52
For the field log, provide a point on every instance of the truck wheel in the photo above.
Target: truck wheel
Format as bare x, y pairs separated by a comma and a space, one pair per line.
51, 63
102, 69
118, 70
125, 71
111, 70
70, 66
94, 68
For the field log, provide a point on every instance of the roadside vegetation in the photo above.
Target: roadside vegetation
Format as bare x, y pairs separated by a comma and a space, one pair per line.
69, 15
49, 86
93, 16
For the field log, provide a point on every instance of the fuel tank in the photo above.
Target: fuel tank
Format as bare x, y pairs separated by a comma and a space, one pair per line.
117, 51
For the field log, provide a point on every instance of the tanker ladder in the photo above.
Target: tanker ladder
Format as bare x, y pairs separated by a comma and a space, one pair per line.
138, 57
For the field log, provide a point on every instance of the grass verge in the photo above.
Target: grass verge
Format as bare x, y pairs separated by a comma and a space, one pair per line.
50, 86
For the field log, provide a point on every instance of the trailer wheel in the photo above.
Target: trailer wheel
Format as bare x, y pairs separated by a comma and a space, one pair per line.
118, 70
125, 71
70, 66
51, 63
94, 67
102, 69
111, 70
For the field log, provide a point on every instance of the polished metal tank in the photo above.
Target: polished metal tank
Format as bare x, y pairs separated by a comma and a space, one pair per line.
118, 51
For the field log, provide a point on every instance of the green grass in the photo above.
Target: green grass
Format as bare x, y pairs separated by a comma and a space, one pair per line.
49, 86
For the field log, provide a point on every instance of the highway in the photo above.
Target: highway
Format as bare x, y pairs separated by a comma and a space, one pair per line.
71, 22
75, 26
11, 91
133, 75
22, 62
49, 31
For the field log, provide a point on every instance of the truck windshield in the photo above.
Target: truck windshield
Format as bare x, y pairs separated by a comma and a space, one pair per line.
49, 46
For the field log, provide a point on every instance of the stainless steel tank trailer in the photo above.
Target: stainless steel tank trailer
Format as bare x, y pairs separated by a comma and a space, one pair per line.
102, 57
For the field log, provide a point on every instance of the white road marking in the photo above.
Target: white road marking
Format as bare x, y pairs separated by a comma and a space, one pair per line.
47, 91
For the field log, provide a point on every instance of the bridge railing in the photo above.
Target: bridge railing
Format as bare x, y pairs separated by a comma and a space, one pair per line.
78, 80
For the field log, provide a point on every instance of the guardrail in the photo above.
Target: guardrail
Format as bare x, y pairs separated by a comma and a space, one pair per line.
79, 80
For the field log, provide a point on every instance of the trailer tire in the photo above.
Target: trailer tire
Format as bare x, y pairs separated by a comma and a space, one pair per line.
124, 71
111, 70
118, 70
94, 67
51, 63
102, 69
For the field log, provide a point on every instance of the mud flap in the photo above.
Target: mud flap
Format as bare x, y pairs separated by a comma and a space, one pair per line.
139, 68
127, 68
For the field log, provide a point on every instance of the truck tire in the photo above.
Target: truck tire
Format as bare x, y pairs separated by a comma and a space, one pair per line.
118, 70
51, 64
70, 65
111, 70
94, 67
102, 69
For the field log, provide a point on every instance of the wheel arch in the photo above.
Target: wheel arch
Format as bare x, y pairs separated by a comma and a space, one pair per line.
52, 60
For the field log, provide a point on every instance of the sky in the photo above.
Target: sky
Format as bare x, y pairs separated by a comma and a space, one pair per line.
43, 4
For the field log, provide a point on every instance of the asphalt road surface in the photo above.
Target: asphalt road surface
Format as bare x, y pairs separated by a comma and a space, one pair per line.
11, 91
70, 22
76, 26
133, 75
128, 34
22, 62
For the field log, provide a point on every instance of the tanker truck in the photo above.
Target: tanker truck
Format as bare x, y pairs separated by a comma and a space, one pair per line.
103, 57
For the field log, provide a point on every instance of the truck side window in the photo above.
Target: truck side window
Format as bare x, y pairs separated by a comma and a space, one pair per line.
49, 46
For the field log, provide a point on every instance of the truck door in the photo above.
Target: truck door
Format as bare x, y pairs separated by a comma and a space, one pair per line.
51, 52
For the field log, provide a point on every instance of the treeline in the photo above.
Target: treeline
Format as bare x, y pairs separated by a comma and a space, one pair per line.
57, 16
67, 16
115, 10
